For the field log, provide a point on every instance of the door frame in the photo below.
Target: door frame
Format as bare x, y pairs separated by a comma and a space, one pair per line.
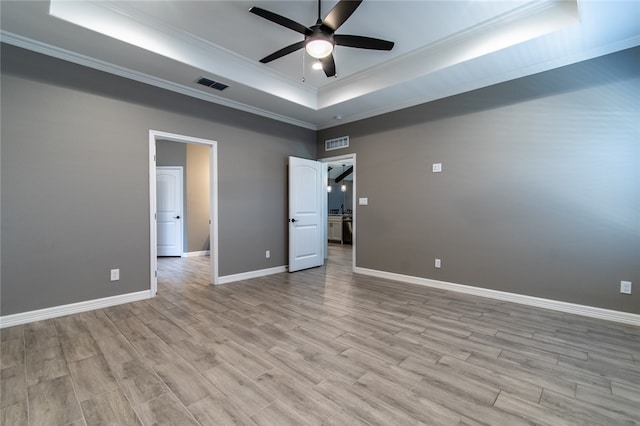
351, 157
154, 136
181, 214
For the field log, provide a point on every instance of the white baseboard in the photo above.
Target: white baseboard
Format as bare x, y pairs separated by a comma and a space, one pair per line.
556, 305
197, 253
572, 308
73, 308
252, 274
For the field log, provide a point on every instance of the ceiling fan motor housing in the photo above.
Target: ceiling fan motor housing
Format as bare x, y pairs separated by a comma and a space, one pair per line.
319, 44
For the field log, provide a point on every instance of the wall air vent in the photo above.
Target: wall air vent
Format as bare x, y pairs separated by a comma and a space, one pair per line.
210, 83
337, 143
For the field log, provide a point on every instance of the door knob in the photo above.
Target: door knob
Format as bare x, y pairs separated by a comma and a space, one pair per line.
293, 220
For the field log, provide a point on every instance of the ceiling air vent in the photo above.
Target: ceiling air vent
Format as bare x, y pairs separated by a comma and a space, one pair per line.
337, 143
210, 83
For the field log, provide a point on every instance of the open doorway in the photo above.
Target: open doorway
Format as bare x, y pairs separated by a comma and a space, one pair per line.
154, 138
341, 209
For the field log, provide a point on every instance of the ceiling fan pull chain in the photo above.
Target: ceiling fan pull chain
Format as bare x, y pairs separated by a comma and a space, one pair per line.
303, 69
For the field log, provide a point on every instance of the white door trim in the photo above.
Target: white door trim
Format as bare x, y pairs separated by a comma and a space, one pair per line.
154, 136
351, 157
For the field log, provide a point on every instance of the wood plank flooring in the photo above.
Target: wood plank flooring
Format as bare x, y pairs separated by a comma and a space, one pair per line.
318, 347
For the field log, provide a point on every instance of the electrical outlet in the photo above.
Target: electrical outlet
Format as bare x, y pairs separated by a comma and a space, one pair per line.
267, 254
437, 263
115, 274
436, 167
625, 287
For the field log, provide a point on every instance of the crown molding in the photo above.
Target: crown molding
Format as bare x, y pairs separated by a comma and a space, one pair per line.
138, 29
495, 78
524, 23
87, 61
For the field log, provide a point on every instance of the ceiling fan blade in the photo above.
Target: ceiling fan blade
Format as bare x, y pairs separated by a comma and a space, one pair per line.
328, 65
282, 52
340, 13
363, 42
280, 20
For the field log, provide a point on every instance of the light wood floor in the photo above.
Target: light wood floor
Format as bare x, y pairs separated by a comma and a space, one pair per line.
321, 346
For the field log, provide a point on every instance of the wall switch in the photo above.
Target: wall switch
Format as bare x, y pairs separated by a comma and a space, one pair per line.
625, 287
267, 254
437, 167
363, 201
437, 263
115, 274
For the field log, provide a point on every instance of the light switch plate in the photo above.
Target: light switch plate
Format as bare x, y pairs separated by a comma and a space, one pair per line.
625, 287
437, 167
363, 201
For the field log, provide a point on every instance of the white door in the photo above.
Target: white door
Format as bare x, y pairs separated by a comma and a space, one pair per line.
169, 210
307, 218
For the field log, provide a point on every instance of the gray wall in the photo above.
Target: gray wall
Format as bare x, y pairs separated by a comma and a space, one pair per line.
540, 189
169, 153
74, 177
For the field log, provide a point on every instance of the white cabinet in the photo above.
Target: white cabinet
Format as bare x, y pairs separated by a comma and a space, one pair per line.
334, 228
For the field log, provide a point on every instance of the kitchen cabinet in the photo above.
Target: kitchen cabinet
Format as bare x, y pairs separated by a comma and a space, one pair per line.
334, 228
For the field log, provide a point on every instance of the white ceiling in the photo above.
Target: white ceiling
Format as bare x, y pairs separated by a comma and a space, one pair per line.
441, 48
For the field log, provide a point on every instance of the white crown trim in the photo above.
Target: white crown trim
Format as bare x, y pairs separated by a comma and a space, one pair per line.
76, 58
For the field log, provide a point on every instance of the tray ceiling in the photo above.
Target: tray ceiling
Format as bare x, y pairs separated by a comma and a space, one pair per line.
441, 48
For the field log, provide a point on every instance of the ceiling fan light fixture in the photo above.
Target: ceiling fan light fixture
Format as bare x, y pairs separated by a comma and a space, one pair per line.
320, 39
319, 46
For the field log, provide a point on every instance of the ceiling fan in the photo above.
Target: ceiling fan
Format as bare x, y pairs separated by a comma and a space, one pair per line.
320, 39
